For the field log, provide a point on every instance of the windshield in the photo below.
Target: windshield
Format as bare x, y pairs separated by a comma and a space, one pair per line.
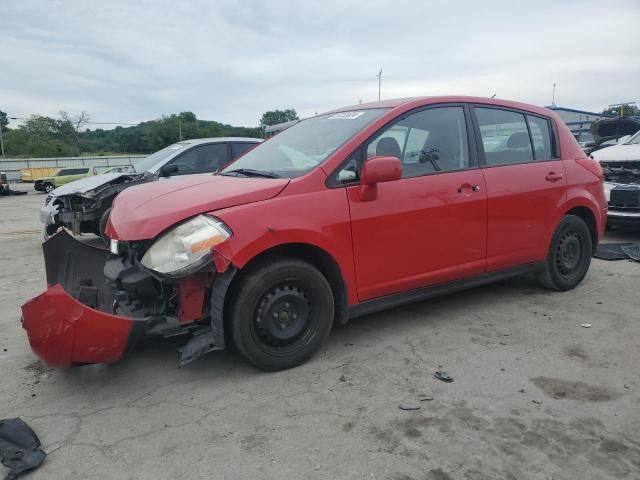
298, 149
634, 140
148, 162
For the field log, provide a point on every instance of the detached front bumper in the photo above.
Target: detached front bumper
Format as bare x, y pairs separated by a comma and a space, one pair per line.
71, 322
64, 332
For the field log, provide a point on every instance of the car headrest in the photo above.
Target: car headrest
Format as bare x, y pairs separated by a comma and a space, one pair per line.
388, 146
518, 140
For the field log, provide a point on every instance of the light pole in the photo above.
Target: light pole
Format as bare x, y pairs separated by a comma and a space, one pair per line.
379, 83
1, 141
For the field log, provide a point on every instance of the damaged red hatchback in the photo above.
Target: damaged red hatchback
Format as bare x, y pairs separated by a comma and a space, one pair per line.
342, 214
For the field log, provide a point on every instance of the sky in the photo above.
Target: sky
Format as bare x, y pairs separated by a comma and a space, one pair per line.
229, 61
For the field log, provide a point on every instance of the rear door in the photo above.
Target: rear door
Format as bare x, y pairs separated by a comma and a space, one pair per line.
526, 184
428, 227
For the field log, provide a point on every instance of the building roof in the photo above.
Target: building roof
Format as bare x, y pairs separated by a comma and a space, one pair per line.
565, 109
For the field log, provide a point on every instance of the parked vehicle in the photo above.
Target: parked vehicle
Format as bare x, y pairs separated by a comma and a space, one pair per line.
116, 169
621, 166
342, 214
585, 140
4, 185
83, 206
61, 177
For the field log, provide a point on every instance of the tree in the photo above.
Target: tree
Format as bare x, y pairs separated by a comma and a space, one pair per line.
273, 117
626, 110
73, 124
4, 121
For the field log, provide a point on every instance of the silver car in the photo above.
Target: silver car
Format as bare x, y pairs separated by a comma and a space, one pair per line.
83, 206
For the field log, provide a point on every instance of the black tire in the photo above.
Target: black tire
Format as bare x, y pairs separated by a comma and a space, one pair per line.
281, 313
102, 226
48, 188
569, 255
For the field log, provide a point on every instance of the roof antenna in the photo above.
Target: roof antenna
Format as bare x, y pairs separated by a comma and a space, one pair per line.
493, 96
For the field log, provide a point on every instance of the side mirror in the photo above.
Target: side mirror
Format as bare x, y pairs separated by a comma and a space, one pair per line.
380, 169
168, 170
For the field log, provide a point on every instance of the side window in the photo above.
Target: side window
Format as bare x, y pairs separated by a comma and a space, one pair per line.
383, 143
72, 171
505, 137
238, 149
541, 136
203, 159
432, 140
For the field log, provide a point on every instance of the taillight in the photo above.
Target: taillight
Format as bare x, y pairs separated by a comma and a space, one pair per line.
592, 165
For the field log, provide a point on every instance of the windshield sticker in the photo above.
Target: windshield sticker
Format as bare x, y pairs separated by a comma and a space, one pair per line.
346, 115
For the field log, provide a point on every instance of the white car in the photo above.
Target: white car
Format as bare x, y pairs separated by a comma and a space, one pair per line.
621, 165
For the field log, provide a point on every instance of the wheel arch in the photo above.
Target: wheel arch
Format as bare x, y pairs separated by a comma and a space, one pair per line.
312, 254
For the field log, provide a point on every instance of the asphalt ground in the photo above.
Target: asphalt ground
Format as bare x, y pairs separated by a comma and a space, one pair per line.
534, 395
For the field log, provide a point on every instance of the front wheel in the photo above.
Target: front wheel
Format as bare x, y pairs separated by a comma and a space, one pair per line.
48, 188
281, 313
569, 255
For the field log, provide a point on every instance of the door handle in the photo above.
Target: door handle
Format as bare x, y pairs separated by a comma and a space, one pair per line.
465, 187
553, 176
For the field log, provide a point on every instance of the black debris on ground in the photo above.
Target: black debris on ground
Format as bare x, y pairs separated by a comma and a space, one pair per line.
442, 375
19, 447
618, 251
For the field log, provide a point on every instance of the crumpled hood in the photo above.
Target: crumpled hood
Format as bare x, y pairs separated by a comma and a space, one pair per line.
620, 153
144, 211
86, 184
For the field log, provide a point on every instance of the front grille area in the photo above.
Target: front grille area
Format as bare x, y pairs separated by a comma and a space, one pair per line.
47, 200
625, 197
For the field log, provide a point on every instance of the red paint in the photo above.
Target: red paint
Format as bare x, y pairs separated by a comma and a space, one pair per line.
389, 236
381, 169
191, 292
418, 231
155, 206
63, 331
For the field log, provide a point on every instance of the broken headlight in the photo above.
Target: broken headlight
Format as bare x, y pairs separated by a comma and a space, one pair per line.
186, 247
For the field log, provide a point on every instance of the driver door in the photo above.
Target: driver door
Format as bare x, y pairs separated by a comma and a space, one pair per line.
430, 226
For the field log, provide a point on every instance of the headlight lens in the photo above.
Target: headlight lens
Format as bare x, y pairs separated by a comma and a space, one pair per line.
186, 248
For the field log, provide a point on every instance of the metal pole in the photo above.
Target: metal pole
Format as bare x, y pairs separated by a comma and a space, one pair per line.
553, 97
180, 127
379, 83
1, 142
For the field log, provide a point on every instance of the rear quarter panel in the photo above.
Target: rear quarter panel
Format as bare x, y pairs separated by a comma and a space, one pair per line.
584, 188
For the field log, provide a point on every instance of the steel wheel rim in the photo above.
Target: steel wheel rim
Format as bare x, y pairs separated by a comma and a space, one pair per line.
569, 253
283, 320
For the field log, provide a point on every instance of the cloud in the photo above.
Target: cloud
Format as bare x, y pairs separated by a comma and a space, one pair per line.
230, 61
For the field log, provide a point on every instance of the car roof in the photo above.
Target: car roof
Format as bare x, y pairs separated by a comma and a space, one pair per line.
197, 141
414, 102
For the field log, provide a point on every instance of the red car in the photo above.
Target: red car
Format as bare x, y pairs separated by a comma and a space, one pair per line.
342, 214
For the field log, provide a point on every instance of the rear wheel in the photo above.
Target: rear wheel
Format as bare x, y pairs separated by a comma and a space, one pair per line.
281, 313
569, 255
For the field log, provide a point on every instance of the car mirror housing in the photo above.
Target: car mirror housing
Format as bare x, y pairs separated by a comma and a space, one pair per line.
168, 170
381, 169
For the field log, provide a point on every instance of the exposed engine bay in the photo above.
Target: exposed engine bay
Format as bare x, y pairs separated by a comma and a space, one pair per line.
626, 173
82, 211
